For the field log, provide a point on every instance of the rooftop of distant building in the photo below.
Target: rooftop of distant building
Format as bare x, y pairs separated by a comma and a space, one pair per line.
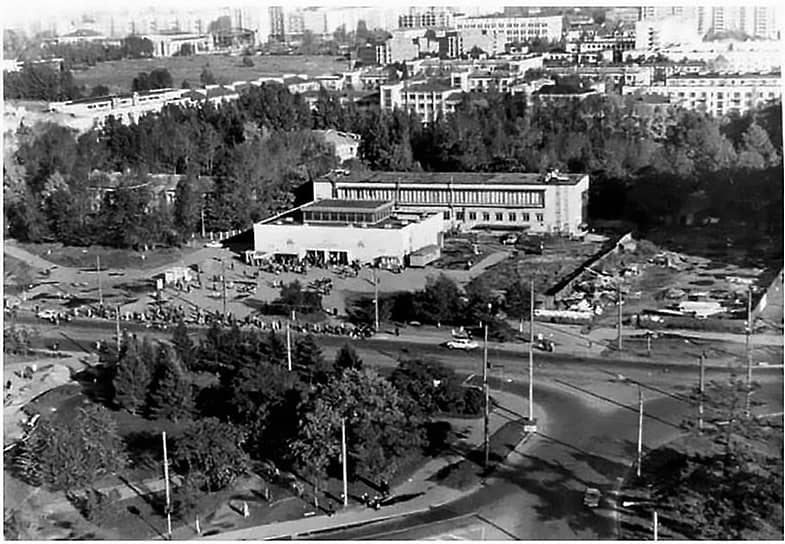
456, 178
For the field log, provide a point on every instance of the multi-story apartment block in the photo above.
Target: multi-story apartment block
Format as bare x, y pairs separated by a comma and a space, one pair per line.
441, 17
717, 94
277, 27
652, 34
756, 21
551, 202
515, 29
427, 99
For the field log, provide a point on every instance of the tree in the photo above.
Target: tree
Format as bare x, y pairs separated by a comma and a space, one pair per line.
132, 379
137, 47
756, 151
440, 301
71, 454
183, 345
213, 449
160, 78
170, 394
307, 357
207, 77
100, 90
347, 358
187, 206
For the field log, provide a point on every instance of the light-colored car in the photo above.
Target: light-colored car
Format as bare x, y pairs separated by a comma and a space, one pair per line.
214, 244
592, 497
46, 314
462, 343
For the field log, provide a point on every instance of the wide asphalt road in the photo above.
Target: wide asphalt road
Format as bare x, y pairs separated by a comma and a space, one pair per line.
539, 493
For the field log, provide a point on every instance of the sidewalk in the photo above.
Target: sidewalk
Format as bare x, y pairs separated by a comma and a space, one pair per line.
431, 494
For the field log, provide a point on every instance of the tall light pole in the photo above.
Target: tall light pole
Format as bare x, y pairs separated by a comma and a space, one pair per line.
375, 299
656, 526
288, 347
700, 393
486, 415
223, 288
640, 432
748, 349
344, 462
531, 352
166, 487
117, 323
98, 273
619, 301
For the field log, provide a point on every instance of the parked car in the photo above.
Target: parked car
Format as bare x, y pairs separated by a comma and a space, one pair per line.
509, 239
214, 244
46, 314
462, 343
592, 497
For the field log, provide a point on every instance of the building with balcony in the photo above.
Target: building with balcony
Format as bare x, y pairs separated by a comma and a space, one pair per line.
551, 202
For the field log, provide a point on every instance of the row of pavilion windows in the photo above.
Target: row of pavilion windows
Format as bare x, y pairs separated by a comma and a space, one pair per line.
442, 196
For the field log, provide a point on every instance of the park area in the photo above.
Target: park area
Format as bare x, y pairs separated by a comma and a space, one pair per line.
118, 75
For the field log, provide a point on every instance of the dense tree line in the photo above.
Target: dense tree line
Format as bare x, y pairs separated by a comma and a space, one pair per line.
259, 150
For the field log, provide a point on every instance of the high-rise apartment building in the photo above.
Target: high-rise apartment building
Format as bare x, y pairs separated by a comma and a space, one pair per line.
277, 28
433, 17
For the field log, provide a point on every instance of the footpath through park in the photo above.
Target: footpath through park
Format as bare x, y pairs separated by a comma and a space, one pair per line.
425, 492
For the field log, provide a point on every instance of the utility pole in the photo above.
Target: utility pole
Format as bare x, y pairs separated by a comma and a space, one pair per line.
648, 343
749, 353
619, 301
640, 432
700, 393
288, 347
376, 299
202, 214
98, 272
656, 526
486, 438
223, 288
531, 352
166, 486
117, 323
344, 460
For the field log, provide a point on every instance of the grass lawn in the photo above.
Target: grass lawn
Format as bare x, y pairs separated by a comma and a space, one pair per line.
85, 257
119, 75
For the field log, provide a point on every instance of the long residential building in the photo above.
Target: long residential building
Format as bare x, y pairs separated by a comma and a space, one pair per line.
717, 94
551, 202
515, 29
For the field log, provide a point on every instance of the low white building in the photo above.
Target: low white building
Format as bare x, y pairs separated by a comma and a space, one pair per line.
331, 231
167, 44
346, 144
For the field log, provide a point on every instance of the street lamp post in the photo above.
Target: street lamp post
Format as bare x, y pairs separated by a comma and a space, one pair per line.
486, 437
376, 299
748, 350
344, 462
640, 432
531, 352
